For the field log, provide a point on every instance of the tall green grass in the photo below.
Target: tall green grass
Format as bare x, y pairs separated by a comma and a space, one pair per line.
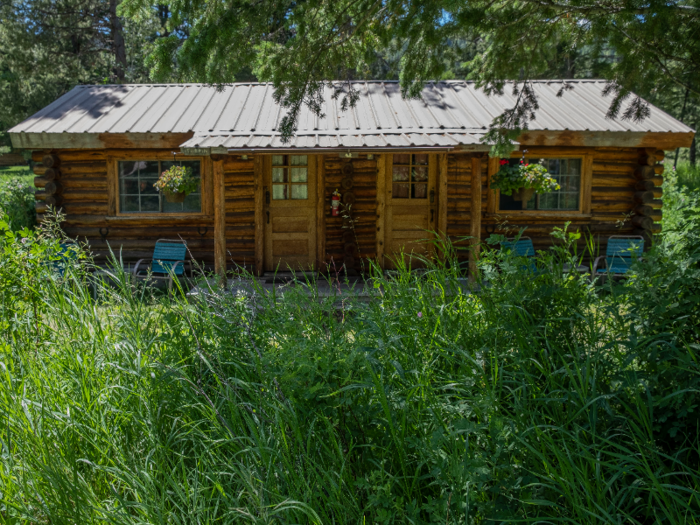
542, 398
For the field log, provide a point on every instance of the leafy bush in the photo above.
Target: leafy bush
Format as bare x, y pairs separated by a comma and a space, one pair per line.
17, 202
539, 399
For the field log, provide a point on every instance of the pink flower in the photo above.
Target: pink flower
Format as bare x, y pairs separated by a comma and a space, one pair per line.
420, 314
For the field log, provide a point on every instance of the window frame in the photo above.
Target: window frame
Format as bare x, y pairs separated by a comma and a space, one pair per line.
205, 166
289, 184
584, 201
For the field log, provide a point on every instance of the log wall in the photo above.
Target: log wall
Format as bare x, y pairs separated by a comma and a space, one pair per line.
83, 195
625, 199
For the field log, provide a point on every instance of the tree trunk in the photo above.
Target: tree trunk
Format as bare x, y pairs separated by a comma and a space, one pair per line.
117, 42
692, 153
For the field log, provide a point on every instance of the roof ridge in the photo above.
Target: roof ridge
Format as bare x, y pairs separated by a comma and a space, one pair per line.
374, 81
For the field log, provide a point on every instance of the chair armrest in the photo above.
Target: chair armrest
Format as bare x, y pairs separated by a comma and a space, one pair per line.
138, 263
596, 262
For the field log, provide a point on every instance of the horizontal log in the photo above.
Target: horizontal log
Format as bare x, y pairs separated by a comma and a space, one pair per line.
50, 161
53, 200
657, 227
644, 210
656, 203
645, 185
657, 215
644, 172
648, 160
52, 187
40, 207
643, 197
640, 221
658, 180
40, 182
659, 169
660, 154
658, 192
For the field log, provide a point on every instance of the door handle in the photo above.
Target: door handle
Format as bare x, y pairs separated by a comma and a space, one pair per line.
432, 214
268, 216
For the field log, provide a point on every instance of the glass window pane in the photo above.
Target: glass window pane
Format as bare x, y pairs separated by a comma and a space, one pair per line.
400, 190
279, 175
420, 191
129, 187
298, 160
574, 167
146, 186
278, 160
129, 168
279, 192
299, 174
171, 207
571, 201
548, 201
129, 204
299, 191
403, 158
401, 173
150, 204
421, 158
420, 173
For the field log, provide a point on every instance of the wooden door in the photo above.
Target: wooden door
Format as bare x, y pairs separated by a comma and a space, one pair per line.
411, 207
290, 212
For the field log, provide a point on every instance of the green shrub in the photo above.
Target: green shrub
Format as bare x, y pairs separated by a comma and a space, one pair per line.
17, 201
539, 399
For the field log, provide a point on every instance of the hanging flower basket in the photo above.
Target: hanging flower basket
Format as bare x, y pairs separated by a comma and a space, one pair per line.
175, 197
523, 180
523, 194
176, 183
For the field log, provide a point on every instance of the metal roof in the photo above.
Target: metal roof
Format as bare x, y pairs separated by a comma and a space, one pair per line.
245, 115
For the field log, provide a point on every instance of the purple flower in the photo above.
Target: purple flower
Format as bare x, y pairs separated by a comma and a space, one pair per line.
420, 314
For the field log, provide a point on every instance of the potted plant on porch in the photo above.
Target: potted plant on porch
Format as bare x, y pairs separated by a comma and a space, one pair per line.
522, 180
177, 182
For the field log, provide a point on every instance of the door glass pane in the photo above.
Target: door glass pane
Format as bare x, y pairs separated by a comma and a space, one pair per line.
278, 160
420, 191
421, 158
400, 190
279, 192
279, 175
401, 173
420, 173
403, 158
299, 174
299, 160
299, 191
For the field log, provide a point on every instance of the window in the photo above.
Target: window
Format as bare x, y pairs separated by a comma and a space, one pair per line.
567, 173
290, 175
410, 176
138, 195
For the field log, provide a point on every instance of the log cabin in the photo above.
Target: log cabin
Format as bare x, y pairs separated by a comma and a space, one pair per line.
406, 169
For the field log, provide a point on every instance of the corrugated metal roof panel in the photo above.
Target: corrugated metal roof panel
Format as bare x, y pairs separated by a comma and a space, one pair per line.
245, 108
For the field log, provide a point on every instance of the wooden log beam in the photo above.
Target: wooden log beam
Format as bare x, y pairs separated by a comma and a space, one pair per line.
644, 210
643, 197
644, 172
475, 217
50, 161
640, 221
259, 178
658, 180
52, 187
645, 185
219, 222
381, 208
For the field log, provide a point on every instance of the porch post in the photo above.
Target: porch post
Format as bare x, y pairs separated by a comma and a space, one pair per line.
475, 219
259, 174
219, 219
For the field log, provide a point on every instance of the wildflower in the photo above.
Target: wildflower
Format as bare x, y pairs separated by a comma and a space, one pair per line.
24, 240
504, 162
420, 314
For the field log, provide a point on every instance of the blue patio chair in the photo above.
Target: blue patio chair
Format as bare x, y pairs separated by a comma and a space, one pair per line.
67, 254
522, 247
168, 261
621, 252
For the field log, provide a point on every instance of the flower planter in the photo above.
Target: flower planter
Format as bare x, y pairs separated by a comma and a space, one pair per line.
175, 197
523, 194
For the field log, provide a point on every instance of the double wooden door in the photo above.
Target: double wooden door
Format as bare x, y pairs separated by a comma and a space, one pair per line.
290, 212
411, 207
